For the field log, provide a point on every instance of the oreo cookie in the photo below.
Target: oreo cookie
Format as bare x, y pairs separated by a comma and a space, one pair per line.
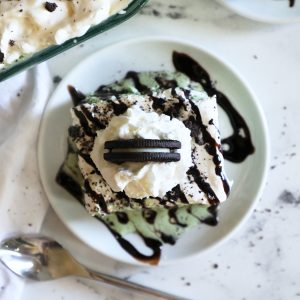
120, 157
137, 156
142, 143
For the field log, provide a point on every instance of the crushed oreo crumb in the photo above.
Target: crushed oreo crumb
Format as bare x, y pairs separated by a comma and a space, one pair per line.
50, 6
11, 43
156, 13
289, 198
57, 79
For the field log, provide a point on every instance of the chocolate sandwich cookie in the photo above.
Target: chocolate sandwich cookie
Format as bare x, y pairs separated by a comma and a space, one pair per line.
137, 156
120, 157
142, 143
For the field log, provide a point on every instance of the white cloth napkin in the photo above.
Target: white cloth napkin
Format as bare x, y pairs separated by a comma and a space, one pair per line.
22, 202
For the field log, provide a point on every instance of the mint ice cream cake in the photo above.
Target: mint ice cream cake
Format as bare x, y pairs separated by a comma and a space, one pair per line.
145, 156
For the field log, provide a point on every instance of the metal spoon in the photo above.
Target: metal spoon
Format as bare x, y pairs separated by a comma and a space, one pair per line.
41, 258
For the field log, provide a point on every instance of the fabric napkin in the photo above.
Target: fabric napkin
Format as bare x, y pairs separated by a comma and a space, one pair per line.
22, 202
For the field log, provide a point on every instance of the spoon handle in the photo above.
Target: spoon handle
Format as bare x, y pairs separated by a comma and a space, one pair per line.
133, 287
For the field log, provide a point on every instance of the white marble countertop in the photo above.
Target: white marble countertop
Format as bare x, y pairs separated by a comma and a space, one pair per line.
261, 260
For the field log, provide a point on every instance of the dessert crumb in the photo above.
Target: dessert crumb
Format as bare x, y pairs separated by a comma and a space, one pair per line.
215, 266
50, 6
288, 197
57, 79
175, 15
156, 13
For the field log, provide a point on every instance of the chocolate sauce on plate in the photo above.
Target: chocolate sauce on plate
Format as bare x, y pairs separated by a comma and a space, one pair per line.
292, 3
153, 244
239, 143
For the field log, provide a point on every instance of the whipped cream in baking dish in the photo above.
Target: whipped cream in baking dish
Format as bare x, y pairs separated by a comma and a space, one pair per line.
28, 26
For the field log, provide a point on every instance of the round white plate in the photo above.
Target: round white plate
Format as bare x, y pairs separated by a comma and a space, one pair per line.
148, 54
269, 11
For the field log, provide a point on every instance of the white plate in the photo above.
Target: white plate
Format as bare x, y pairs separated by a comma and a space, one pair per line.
112, 63
269, 11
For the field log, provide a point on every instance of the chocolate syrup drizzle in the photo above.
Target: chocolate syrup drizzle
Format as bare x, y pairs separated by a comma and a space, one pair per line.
84, 123
98, 197
174, 218
239, 143
76, 95
152, 244
149, 215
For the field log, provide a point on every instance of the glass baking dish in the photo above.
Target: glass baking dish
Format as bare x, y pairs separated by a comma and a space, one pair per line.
51, 51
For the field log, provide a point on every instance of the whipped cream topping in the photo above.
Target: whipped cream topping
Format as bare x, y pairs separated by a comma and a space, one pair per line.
140, 180
29, 26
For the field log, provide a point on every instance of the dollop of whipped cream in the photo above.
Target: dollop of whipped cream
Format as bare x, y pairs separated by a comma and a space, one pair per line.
141, 180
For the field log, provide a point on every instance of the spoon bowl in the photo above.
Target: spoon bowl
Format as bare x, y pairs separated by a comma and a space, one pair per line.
41, 258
